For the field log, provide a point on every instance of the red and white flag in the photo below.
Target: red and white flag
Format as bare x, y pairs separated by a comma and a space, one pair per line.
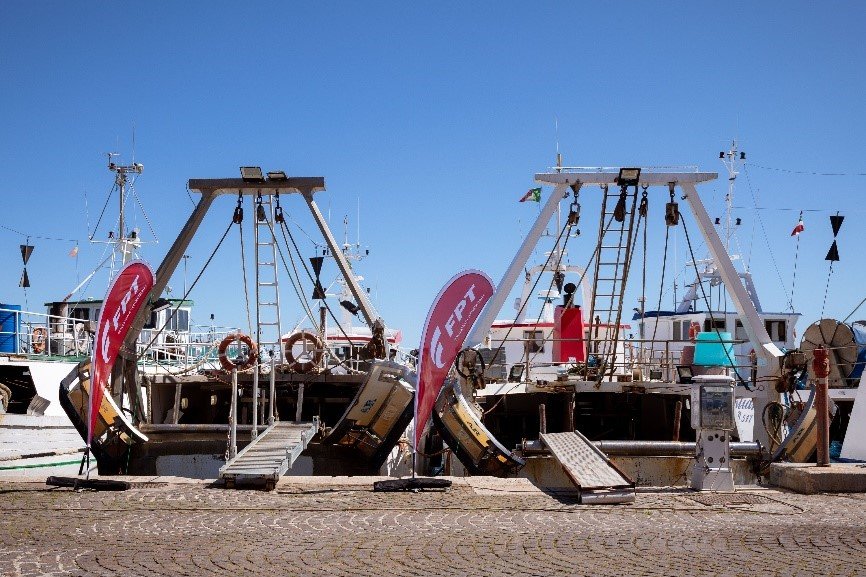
452, 315
126, 295
799, 228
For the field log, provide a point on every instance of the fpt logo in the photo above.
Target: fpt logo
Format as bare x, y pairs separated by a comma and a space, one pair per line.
456, 325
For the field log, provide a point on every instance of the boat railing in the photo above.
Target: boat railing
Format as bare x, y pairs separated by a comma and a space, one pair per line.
44, 336
634, 359
168, 350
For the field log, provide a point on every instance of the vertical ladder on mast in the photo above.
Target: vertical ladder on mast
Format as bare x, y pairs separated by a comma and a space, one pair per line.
611, 273
268, 329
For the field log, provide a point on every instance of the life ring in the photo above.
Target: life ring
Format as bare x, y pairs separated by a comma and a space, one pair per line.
38, 338
310, 356
240, 363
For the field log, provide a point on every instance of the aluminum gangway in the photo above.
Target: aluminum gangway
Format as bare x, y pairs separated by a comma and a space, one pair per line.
269, 455
596, 477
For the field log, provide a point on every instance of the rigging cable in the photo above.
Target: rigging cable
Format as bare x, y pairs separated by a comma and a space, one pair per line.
194, 282
239, 219
287, 232
794, 278
709, 305
766, 238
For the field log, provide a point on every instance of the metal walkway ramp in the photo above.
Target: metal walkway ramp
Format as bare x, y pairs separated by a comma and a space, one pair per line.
597, 479
270, 455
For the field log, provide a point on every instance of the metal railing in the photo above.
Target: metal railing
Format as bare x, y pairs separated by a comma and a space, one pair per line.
634, 359
48, 337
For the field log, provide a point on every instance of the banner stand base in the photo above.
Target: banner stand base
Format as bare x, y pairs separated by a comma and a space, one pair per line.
93, 484
413, 484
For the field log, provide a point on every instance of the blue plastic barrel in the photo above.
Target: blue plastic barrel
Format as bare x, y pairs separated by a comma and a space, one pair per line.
9, 318
710, 351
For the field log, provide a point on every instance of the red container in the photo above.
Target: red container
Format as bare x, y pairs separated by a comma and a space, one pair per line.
568, 335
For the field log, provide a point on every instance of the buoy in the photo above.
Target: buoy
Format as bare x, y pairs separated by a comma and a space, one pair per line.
311, 355
228, 364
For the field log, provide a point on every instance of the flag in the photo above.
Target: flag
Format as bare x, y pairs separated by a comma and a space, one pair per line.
74, 252
533, 194
126, 295
799, 228
453, 313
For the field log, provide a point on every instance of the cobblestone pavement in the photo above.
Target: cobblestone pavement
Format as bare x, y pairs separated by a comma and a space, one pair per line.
193, 529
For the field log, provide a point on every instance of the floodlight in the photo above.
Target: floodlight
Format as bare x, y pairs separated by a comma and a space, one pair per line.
277, 175
252, 174
628, 177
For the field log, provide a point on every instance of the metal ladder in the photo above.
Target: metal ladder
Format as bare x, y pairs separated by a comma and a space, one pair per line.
268, 328
611, 273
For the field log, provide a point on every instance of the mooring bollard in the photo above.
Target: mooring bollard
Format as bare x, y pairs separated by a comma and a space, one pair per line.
821, 366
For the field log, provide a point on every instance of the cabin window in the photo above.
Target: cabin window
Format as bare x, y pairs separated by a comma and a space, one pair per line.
740, 331
677, 331
778, 330
179, 321
534, 341
710, 325
78, 314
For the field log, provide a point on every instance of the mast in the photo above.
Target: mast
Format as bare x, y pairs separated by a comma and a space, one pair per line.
730, 160
120, 180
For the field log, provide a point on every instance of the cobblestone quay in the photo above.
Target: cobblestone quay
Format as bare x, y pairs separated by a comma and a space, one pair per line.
476, 528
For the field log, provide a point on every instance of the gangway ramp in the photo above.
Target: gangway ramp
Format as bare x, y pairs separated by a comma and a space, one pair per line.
596, 477
269, 455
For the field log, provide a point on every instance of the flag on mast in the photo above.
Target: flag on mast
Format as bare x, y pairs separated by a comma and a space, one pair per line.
533, 194
799, 228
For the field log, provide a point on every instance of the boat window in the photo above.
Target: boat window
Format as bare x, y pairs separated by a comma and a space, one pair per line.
534, 341
151, 324
178, 322
778, 330
677, 331
78, 314
711, 325
740, 331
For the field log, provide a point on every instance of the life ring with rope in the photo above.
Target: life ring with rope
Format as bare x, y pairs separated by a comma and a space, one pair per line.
38, 338
241, 362
310, 355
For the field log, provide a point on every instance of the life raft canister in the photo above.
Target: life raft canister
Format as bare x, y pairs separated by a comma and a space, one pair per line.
311, 354
229, 364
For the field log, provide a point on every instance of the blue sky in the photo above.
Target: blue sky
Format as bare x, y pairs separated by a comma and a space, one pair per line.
432, 117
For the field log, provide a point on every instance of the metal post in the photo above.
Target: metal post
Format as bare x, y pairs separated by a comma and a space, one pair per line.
233, 417
255, 432
678, 412
821, 366
300, 408
272, 393
542, 419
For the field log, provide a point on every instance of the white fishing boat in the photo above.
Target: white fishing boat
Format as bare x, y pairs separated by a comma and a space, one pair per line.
625, 381
330, 398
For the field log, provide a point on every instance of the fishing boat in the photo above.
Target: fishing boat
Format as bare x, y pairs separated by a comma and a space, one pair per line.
337, 393
622, 382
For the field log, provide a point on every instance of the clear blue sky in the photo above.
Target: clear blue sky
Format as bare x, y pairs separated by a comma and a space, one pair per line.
434, 116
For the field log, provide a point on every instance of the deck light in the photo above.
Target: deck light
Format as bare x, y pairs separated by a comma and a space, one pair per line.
252, 174
628, 177
277, 175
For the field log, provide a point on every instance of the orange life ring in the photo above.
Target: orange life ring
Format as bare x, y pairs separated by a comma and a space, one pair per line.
38, 338
311, 354
227, 363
